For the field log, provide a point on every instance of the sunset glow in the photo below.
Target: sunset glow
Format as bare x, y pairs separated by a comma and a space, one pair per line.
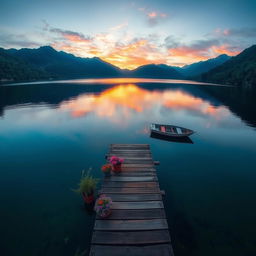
131, 34
122, 100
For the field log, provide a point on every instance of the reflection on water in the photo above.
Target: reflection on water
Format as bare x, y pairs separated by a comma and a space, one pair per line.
172, 139
122, 100
119, 81
50, 132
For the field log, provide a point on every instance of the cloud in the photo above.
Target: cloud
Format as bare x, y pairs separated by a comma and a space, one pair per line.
122, 48
153, 18
119, 27
17, 41
67, 34
201, 50
135, 53
241, 32
130, 52
121, 101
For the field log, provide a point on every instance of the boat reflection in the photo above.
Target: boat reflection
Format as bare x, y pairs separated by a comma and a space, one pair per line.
171, 139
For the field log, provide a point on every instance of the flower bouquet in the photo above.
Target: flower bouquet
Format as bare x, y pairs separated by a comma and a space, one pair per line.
116, 163
106, 169
103, 206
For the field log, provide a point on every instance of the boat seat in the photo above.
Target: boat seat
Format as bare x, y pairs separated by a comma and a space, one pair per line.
163, 129
179, 131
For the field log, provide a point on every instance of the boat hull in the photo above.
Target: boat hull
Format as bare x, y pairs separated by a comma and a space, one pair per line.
184, 132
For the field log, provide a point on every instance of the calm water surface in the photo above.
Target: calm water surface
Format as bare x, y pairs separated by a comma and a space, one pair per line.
50, 132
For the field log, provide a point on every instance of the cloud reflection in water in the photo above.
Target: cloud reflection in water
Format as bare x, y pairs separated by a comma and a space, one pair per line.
125, 100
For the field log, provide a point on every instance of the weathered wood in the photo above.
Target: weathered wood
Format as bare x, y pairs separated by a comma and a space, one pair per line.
137, 205
129, 148
127, 161
131, 224
133, 156
129, 151
151, 250
136, 214
137, 169
137, 225
133, 173
145, 146
129, 145
131, 238
136, 179
137, 165
134, 197
162, 192
130, 190
116, 184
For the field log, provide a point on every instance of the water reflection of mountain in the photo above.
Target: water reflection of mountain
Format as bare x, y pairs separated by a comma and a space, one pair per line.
239, 102
51, 94
54, 94
242, 102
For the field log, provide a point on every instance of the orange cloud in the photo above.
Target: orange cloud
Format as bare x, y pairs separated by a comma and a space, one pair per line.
186, 54
225, 49
127, 52
76, 38
152, 15
121, 101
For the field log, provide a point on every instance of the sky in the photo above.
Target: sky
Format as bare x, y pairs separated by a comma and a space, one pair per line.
129, 34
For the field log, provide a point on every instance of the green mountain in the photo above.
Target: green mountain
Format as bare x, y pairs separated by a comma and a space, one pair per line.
156, 71
64, 65
47, 63
200, 67
13, 68
239, 70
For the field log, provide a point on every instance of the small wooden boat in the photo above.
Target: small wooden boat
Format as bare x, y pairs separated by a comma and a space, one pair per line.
170, 130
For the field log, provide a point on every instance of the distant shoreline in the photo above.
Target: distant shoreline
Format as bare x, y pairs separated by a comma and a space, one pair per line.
114, 80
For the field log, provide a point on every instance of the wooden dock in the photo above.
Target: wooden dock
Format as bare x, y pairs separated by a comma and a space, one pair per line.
137, 225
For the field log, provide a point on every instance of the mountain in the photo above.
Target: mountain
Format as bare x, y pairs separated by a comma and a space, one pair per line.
198, 68
239, 70
64, 65
156, 71
13, 68
47, 63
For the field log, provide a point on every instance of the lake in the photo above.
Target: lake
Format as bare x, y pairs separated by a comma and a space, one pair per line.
51, 131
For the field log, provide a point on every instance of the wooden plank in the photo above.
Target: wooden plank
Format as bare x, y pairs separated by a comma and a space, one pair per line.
129, 190
137, 225
131, 154
129, 148
137, 205
134, 197
136, 157
131, 238
133, 179
136, 214
154, 224
137, 169
128, 144
137, 174
138, 161
125, 146
137, 165
116, 184
150, 250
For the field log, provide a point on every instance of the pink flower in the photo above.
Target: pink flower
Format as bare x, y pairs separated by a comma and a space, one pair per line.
116, 160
